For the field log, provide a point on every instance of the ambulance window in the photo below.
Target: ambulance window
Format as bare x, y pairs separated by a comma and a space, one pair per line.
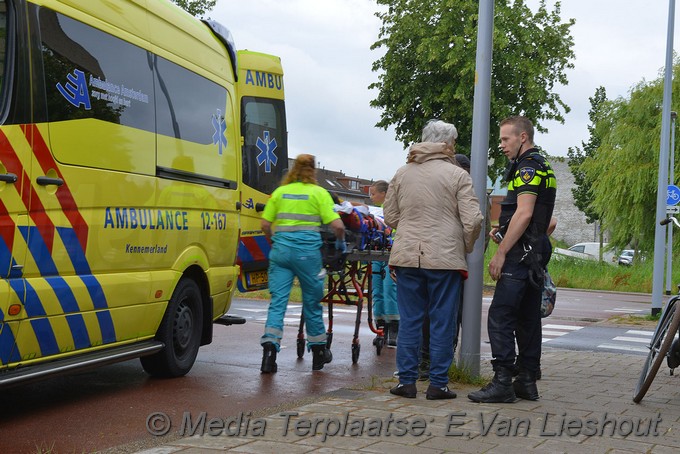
265, 149
92, 74
186, 102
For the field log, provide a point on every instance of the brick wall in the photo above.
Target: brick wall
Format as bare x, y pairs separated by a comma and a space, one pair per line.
571, 222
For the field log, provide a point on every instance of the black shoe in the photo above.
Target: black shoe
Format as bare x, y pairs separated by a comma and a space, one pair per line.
525, 386
320, 356
500, 390
402, 390
436, 393
268, 358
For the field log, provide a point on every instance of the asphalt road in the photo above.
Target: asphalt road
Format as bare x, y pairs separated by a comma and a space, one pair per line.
108, 408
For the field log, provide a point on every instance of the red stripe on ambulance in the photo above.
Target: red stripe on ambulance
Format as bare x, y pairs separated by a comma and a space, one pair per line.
66, 200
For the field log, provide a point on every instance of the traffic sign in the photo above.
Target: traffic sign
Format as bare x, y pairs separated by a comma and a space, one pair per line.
672, 209
672, 195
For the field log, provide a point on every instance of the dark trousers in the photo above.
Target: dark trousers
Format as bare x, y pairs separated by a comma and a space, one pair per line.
436, 293
515, 315
425, 348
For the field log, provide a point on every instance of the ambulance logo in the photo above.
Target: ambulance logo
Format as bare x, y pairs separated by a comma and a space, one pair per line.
75, 90
220, 127
266, 156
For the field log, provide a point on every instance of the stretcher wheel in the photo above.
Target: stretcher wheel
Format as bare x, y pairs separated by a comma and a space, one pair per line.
379, 343
329, 340
356, 348
300, 348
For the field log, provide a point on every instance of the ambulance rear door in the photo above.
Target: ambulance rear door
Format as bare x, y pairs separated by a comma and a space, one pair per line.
264, 157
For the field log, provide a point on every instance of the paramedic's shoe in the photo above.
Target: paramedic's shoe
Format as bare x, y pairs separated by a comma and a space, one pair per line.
437, 393
320, 356
268, 358
403, 390
500, 390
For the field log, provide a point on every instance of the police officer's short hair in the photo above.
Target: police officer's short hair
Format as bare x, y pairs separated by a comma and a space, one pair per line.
520, 124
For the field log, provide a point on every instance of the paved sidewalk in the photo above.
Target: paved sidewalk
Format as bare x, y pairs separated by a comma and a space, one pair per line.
585, 407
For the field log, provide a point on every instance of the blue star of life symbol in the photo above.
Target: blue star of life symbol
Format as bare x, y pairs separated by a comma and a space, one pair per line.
220, 127
75, 90
266, 154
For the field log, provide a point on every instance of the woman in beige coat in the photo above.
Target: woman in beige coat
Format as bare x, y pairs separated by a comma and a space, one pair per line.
432, 205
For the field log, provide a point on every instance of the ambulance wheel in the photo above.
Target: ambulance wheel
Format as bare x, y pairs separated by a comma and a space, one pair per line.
356, 348
300, 348
180, 331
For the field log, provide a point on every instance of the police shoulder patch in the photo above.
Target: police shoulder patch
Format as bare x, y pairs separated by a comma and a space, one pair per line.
527, 174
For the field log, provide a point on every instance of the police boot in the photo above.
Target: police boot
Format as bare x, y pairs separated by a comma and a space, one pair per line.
392, 333
380, 324
525, 385
500, 389
268, 358
320, 356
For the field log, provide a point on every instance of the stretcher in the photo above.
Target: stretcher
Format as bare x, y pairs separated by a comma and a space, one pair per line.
349, 282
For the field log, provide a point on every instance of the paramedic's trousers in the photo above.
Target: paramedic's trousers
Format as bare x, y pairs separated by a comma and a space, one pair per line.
515, 308
285, 263
436, 291
384, 293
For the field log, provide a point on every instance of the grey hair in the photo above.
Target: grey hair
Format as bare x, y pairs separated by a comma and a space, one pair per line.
439, 131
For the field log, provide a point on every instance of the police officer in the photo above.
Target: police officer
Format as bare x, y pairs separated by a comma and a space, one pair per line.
517, 266
296, 211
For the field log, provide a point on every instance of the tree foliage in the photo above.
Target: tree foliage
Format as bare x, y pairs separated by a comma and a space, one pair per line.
583, 196
196, 8
624, 171
428, 69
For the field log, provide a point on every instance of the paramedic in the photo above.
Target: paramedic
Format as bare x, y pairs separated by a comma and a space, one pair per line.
432, 204
384, 295
518, 265
295, 211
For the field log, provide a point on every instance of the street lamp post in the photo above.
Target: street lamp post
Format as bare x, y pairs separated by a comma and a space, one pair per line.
671, 180
662, 181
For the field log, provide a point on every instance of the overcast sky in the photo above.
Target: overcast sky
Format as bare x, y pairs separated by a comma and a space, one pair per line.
325, 50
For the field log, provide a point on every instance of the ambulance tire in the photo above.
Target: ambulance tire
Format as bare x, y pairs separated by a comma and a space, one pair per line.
180, 331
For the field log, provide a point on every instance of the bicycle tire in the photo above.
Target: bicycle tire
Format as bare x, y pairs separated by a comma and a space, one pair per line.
658, 348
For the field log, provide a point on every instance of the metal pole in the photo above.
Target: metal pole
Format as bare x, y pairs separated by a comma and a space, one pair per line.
659, 237
669, 227
472, 305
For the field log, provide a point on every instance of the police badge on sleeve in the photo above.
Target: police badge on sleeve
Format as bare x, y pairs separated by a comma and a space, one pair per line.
527, 174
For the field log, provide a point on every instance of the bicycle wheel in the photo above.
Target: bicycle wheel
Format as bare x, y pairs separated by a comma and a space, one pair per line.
661, 343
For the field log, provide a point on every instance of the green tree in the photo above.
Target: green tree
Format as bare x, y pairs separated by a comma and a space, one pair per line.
624, 171
196, 7
583, 196
428, 69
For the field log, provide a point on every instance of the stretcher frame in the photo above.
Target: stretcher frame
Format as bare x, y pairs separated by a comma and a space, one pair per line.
349, 282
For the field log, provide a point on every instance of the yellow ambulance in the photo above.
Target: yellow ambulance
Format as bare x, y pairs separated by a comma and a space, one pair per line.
136, 151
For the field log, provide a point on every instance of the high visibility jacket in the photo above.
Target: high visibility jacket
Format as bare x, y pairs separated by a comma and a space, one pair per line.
299, 206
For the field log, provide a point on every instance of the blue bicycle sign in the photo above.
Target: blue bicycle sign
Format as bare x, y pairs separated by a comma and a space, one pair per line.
672, 195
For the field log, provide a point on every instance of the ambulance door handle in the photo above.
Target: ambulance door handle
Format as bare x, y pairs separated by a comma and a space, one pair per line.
238, 206
259, 207
46, 181
8, 178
